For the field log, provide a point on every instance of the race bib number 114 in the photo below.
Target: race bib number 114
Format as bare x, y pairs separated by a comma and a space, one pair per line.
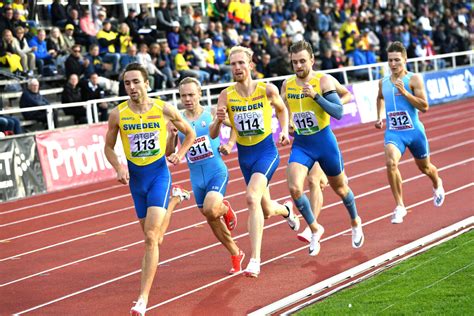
249, 123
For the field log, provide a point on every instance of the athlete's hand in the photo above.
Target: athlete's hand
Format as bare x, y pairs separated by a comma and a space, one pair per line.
123, 176
379, 124
401, 87
174, 158
221, 113
284, 139
308, 90
225, 149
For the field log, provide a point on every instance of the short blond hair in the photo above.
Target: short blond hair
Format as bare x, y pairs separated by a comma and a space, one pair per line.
190, 80
241, 49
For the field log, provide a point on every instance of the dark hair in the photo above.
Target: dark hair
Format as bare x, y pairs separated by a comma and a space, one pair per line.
300, 46
136, 66
397, 47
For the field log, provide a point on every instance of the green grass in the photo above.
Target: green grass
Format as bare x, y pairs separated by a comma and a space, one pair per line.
437, 282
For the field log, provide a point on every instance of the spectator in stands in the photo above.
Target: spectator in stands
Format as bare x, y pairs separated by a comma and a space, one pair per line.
58, 14
10, 125
73, 5
130, 57
133, 24
8, 55
125, 39
97, 8
216, 10
17, 19
240, 11
87, 24
187, 18
32, 98
91, 90
349, 28
75, 63
27, 55
68, 36
6, 22
329, 61
156, 76
56, 42
79, 36
173, 37
19, 7
44, 58
183, 66
256, 47
164, 18
72, 94
295, 27
99, 22
263, 68
165, 63
108, 40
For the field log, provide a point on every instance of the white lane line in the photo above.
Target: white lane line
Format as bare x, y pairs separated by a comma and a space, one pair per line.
431, 117
227, 277
462, 131
236, 237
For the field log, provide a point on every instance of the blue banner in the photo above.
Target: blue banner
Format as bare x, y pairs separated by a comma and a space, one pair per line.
449, 85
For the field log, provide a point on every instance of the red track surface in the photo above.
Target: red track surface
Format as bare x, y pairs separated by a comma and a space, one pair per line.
79, 251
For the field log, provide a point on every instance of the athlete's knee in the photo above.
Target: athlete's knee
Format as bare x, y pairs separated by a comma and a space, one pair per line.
425, 168
151, 238
252, 200
391, 164
295, 190
211, 212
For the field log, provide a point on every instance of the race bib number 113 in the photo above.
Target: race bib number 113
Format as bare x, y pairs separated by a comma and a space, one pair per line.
144, 144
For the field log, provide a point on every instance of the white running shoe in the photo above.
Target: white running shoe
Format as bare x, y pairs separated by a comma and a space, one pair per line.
357, 235
305, 235
253, 268
398, 214
438, 194
139, 309
180, 192
292, 219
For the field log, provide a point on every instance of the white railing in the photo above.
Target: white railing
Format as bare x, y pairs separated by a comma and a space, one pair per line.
208, 99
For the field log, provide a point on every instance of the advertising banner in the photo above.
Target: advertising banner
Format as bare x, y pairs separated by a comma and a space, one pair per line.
449, 85
75, 156
20, 169
365, 94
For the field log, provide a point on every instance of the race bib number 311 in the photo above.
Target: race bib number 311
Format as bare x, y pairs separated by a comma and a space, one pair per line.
249, 123
144, 144
201, 149
399, 120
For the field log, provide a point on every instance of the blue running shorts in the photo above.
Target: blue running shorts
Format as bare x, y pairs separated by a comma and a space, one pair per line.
320, 147
415, 140
206, 178
262, 157
149, 185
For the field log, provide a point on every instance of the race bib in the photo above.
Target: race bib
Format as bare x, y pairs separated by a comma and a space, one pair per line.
305, 123
399, 120
249, 123
144, 144
200, 150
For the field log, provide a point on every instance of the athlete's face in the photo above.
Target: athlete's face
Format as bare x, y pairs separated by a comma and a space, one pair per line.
135, 85
190, 95
241, 66
396, 62
302, 63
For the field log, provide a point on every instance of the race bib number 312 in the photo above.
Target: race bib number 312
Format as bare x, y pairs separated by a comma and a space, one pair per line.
399, 120
144, 144
249, 123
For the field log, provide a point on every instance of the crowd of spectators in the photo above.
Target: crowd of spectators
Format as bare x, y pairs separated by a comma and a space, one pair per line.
98, 43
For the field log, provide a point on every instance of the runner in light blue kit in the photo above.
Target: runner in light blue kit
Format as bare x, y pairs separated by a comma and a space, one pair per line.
403, 95
209, 175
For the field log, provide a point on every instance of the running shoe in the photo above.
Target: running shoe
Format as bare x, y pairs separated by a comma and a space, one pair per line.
230, 218
139, 309
253, 268
398, 214
438, 194
237, 262
292, 219
315, 245
181, 193
357, 235
306, 234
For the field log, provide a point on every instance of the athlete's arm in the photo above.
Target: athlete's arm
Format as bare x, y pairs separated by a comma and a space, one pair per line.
173, 115
291, 129
418, 98
342, 91
380, 107
329, 101
110, 140
280, 110
172, 140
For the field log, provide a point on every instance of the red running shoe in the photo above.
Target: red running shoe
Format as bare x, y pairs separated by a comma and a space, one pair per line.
230, 218
237, 262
